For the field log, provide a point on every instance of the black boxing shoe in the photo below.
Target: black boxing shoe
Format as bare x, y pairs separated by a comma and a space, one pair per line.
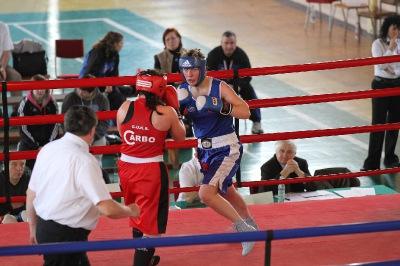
155, 260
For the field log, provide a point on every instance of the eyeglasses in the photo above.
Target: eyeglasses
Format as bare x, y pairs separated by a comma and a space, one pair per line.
171, 39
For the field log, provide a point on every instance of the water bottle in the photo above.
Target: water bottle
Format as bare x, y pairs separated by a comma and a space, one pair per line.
281, 191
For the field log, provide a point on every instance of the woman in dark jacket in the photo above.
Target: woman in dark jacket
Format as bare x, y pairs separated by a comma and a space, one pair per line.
34, 137
103, 61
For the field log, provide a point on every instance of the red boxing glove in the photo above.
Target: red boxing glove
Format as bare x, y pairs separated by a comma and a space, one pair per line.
170, 97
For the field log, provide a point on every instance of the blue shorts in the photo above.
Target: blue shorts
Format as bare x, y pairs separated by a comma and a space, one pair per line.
219, 165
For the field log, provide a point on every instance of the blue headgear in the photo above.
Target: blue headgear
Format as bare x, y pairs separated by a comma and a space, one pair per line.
191, 62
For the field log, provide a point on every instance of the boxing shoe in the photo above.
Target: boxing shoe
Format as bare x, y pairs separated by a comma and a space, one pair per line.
242, 226
250, 221
22, 217
8, 218
256, 128
155, 260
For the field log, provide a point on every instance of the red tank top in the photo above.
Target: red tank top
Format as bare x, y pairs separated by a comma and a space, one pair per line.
139, 137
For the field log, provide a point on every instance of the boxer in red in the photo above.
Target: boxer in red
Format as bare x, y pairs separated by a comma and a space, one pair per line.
143, 126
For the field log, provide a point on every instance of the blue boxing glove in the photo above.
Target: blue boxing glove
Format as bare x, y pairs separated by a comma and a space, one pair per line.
208, 103
184, 96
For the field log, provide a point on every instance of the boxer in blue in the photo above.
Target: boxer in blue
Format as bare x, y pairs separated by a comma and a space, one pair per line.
212, 104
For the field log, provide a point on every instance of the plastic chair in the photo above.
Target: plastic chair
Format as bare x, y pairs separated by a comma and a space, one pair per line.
69, 49
374, 16
319, 2
336, 183
345, 6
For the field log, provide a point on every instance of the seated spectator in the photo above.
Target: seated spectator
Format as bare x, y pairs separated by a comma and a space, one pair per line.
18, 184
285, 163
34, 137
93, 98
190, 175
167, 61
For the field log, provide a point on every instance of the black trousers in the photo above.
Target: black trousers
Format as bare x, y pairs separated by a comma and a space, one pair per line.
384, 110
248, 93
52, 232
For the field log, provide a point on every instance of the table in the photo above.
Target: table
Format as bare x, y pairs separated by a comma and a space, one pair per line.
319, 194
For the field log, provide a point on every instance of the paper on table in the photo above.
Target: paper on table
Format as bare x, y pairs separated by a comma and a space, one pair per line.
356, 192
317, 193
365, 190
314, 195
349, 193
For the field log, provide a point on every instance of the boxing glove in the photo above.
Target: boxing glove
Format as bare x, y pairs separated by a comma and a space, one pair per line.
208, 103
170, 97
184, 96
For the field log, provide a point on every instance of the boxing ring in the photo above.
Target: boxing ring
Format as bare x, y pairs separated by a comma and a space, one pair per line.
268, 236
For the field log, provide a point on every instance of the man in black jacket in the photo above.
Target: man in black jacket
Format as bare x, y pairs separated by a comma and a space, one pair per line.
229, 56
17, 184
285, 163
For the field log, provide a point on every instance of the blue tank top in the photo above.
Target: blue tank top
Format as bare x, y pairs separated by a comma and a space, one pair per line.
209, 124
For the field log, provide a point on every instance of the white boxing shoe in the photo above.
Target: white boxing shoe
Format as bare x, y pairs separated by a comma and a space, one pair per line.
8, 218
242, 226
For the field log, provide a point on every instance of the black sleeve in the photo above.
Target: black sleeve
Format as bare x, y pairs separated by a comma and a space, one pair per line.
268, 174
213, 58
244, 62
157, 64
309, 186
115, 72
94, 62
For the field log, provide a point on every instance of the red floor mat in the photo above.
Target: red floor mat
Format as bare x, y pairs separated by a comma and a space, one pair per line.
333, 250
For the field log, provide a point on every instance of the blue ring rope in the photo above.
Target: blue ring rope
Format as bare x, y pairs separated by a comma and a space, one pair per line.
70, 247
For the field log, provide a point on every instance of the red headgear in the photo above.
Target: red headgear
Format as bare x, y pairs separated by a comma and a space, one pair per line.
153, 84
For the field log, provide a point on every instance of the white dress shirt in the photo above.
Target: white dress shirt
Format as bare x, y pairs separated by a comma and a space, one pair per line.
190, 175
380, 48
68, 183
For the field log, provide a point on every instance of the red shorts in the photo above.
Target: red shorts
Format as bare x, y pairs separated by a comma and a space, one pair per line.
147, 185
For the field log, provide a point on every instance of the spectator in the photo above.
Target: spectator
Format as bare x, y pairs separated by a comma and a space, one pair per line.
34, 137
285, 163
66, 192
229, 56
94, 99
144, 176
7, 73
103, 61
212, 104
167, 61
190, 175
385, 109
18, 184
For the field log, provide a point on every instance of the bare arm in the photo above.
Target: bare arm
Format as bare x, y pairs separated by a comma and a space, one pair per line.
169, 121
240, 108
4, 62
31, 214
177, 129
114, 210
121, 114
